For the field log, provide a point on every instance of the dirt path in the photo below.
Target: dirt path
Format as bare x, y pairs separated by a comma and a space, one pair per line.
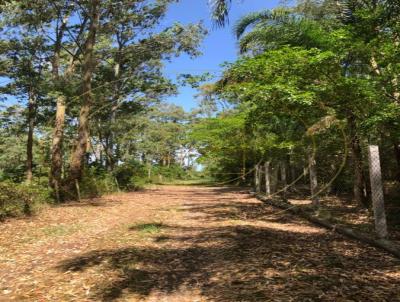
186, 244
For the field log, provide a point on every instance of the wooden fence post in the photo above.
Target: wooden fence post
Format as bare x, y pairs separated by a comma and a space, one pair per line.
378, 202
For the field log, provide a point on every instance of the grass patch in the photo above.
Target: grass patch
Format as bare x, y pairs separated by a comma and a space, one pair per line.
188, 182
148, 228
175, 209
60, 230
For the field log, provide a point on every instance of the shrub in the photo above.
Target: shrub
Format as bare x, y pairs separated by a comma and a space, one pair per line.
130, 175
95, 184
171, 173
21, 199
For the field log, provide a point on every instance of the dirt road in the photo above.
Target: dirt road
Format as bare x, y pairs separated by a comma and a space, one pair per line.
186, 244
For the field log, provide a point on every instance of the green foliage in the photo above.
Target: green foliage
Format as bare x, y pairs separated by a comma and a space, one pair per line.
22, 199
224, 143
44, 51
303, 67
130, 175
95, 184
148, 229
173, 172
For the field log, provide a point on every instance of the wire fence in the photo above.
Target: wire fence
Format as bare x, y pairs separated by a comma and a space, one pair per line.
362, 177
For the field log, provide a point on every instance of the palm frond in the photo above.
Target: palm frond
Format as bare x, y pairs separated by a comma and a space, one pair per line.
291, 31
251, 20
220, 11
277, 15
258, 39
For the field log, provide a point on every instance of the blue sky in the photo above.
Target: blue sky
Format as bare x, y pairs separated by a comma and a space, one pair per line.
219, 46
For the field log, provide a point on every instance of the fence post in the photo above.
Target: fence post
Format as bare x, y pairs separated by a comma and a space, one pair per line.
267, 178
378, 202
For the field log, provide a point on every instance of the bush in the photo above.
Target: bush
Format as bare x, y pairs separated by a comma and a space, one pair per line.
131, 175
128, 176
95, 184
21, 199
173, 172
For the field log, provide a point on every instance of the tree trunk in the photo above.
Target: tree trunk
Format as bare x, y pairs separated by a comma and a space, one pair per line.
274, 178
29, 145
244, 166
267, 178
358, 173
313, 177
56, 168
283, 179
182, 158
257, 178
293, 175
149, 171
396, 149
79, 153
359, 180
56, 146
378, 203
80, 149
110, 145
305, 172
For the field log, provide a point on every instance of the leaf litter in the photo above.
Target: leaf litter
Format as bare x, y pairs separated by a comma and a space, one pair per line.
183, 243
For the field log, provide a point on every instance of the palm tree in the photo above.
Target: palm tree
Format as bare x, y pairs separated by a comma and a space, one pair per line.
271, 29
220, 11
345, 8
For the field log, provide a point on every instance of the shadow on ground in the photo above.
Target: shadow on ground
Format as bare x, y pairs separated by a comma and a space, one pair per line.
237, 251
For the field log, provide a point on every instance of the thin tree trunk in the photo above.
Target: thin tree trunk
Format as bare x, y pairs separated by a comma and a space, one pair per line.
283, 179
313, 177
359, 180
257, 178
80, 149
29, 145
396, 149
378, 203
358, 173
305, 172
292, 172
244, 166
288, 169
267, 178
110, 145
274, 178
149, 171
